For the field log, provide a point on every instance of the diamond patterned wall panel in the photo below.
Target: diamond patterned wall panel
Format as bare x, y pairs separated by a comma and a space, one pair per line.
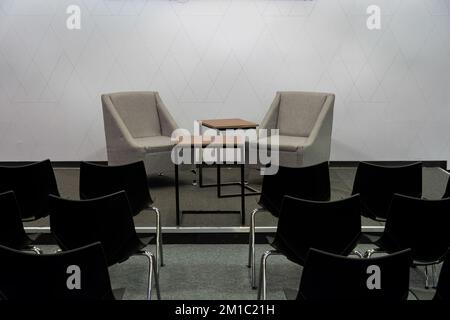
226, 58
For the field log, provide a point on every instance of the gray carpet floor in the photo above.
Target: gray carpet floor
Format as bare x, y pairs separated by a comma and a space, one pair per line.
212, 272
195, 198
203, 271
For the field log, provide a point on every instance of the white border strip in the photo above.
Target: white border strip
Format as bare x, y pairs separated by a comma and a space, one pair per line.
445, 171
203, 229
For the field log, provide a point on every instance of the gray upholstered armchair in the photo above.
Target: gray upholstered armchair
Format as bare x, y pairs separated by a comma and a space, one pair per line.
304, 120
138, 126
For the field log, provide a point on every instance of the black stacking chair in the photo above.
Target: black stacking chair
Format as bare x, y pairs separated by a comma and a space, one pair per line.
421, 225
99, 180
447, 190
12, 233
328, 276
443, 285
310, 183
108, 220
31, 184
30, 277
377, 184
333, 226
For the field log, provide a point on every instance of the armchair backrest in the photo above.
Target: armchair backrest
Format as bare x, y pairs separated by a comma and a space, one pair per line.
298, 112
137, 110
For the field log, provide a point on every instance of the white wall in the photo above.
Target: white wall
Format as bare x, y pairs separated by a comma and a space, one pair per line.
212, 59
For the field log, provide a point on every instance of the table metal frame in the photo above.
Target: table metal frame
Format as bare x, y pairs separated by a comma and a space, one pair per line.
179, 212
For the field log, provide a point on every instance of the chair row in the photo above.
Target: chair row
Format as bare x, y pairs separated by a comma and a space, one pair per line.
82, 274
79, 274
390, 194
75, 224
33, 183
335, 227
329, 276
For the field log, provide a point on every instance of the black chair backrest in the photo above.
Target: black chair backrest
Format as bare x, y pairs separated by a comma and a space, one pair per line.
447, 190
331, 226
310, 183
328, 276
12, 233
443, 286
99, 180
108, 220
32, 184
377, 184
419, 224
31, 277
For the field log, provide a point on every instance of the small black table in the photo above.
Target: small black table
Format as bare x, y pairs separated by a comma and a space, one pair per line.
193, 144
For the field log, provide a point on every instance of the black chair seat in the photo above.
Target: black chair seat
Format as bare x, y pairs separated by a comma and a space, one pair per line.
286, 251
132, 248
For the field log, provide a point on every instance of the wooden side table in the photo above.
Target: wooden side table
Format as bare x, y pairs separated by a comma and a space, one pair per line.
223, 125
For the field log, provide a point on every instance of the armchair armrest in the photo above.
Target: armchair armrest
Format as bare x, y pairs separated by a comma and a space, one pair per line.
271, 118
167, 122
318, 144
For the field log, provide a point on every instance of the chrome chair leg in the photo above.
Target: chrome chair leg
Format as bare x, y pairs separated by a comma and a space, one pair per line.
251, 253
434, 275
369, 253
427, 278
356, 253
159, 247
36, 250
262, 294
156, 275
151, 270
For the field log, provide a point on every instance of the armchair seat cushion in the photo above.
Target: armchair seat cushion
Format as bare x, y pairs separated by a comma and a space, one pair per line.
154, 144
287, 143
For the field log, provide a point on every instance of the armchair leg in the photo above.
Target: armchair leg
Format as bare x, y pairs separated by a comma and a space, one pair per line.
251, 253
262, 294
159, 247
151, 270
